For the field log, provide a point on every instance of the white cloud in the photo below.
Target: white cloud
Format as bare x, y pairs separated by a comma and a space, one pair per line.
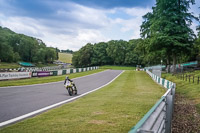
133, 24
72, 28
74, 42
137, 12
54, 33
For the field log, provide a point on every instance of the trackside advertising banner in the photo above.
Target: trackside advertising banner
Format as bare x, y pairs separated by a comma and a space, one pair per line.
42, 74
14, 75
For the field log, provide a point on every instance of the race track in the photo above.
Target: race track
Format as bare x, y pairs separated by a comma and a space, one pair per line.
18, 101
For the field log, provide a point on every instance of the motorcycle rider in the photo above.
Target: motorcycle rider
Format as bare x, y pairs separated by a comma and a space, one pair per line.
69, 80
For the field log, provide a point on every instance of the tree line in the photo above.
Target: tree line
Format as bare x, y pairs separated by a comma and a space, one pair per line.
165, 36
66, 51
114, 52
18, 47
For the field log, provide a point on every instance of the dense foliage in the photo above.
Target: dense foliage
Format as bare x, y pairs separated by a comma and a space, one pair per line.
18, 47
114, 52
66, 51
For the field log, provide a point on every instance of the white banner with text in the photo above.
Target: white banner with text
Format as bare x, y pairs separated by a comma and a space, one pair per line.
14, 75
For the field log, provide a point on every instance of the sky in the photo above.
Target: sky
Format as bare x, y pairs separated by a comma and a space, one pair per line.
70, 24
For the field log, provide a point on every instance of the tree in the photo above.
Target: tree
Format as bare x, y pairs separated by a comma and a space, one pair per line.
6, 52
40, 56
168, 28
86, 53
117, 51
100, 56
75, 59
67, 51
82, 58
131, 55
50, 55
15, 47
57, 51
16, 57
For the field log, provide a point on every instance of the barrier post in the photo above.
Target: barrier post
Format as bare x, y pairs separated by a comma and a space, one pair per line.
71, 70
168, 113
173, 96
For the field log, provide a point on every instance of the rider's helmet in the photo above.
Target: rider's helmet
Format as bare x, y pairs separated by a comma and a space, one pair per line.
67, 77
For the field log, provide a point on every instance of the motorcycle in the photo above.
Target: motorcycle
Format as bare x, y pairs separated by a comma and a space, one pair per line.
71, 88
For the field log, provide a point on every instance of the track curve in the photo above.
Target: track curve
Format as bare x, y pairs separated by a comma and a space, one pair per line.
21, 100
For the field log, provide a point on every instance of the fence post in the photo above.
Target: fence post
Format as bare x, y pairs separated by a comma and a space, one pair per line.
168, 113
193, 78
173, 96
189, 78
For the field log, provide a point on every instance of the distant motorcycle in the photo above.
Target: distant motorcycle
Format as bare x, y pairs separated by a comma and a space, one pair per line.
71, 88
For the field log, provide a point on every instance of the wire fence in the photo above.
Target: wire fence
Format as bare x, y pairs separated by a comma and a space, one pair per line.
191, 78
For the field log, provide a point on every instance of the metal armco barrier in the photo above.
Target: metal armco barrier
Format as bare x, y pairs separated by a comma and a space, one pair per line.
158, 119
18, 75
60, 72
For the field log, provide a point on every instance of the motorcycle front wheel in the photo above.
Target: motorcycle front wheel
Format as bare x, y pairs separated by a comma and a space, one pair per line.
70, 91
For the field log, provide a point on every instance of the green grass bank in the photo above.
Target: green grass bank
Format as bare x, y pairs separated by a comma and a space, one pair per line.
115, 108
4, 65
65, 57
117, 67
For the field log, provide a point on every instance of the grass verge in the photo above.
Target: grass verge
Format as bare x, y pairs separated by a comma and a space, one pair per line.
114, 108
4, 65
186, 89
186, 116
45, 79
118, 67
65, 57
46, 65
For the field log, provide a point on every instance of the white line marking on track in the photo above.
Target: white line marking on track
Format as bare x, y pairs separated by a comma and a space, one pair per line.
52, 82
52, 106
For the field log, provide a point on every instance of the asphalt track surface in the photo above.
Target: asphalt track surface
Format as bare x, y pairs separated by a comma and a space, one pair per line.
21, 100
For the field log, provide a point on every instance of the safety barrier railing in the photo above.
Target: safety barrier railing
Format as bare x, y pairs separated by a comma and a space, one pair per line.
158, 118
19, 75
